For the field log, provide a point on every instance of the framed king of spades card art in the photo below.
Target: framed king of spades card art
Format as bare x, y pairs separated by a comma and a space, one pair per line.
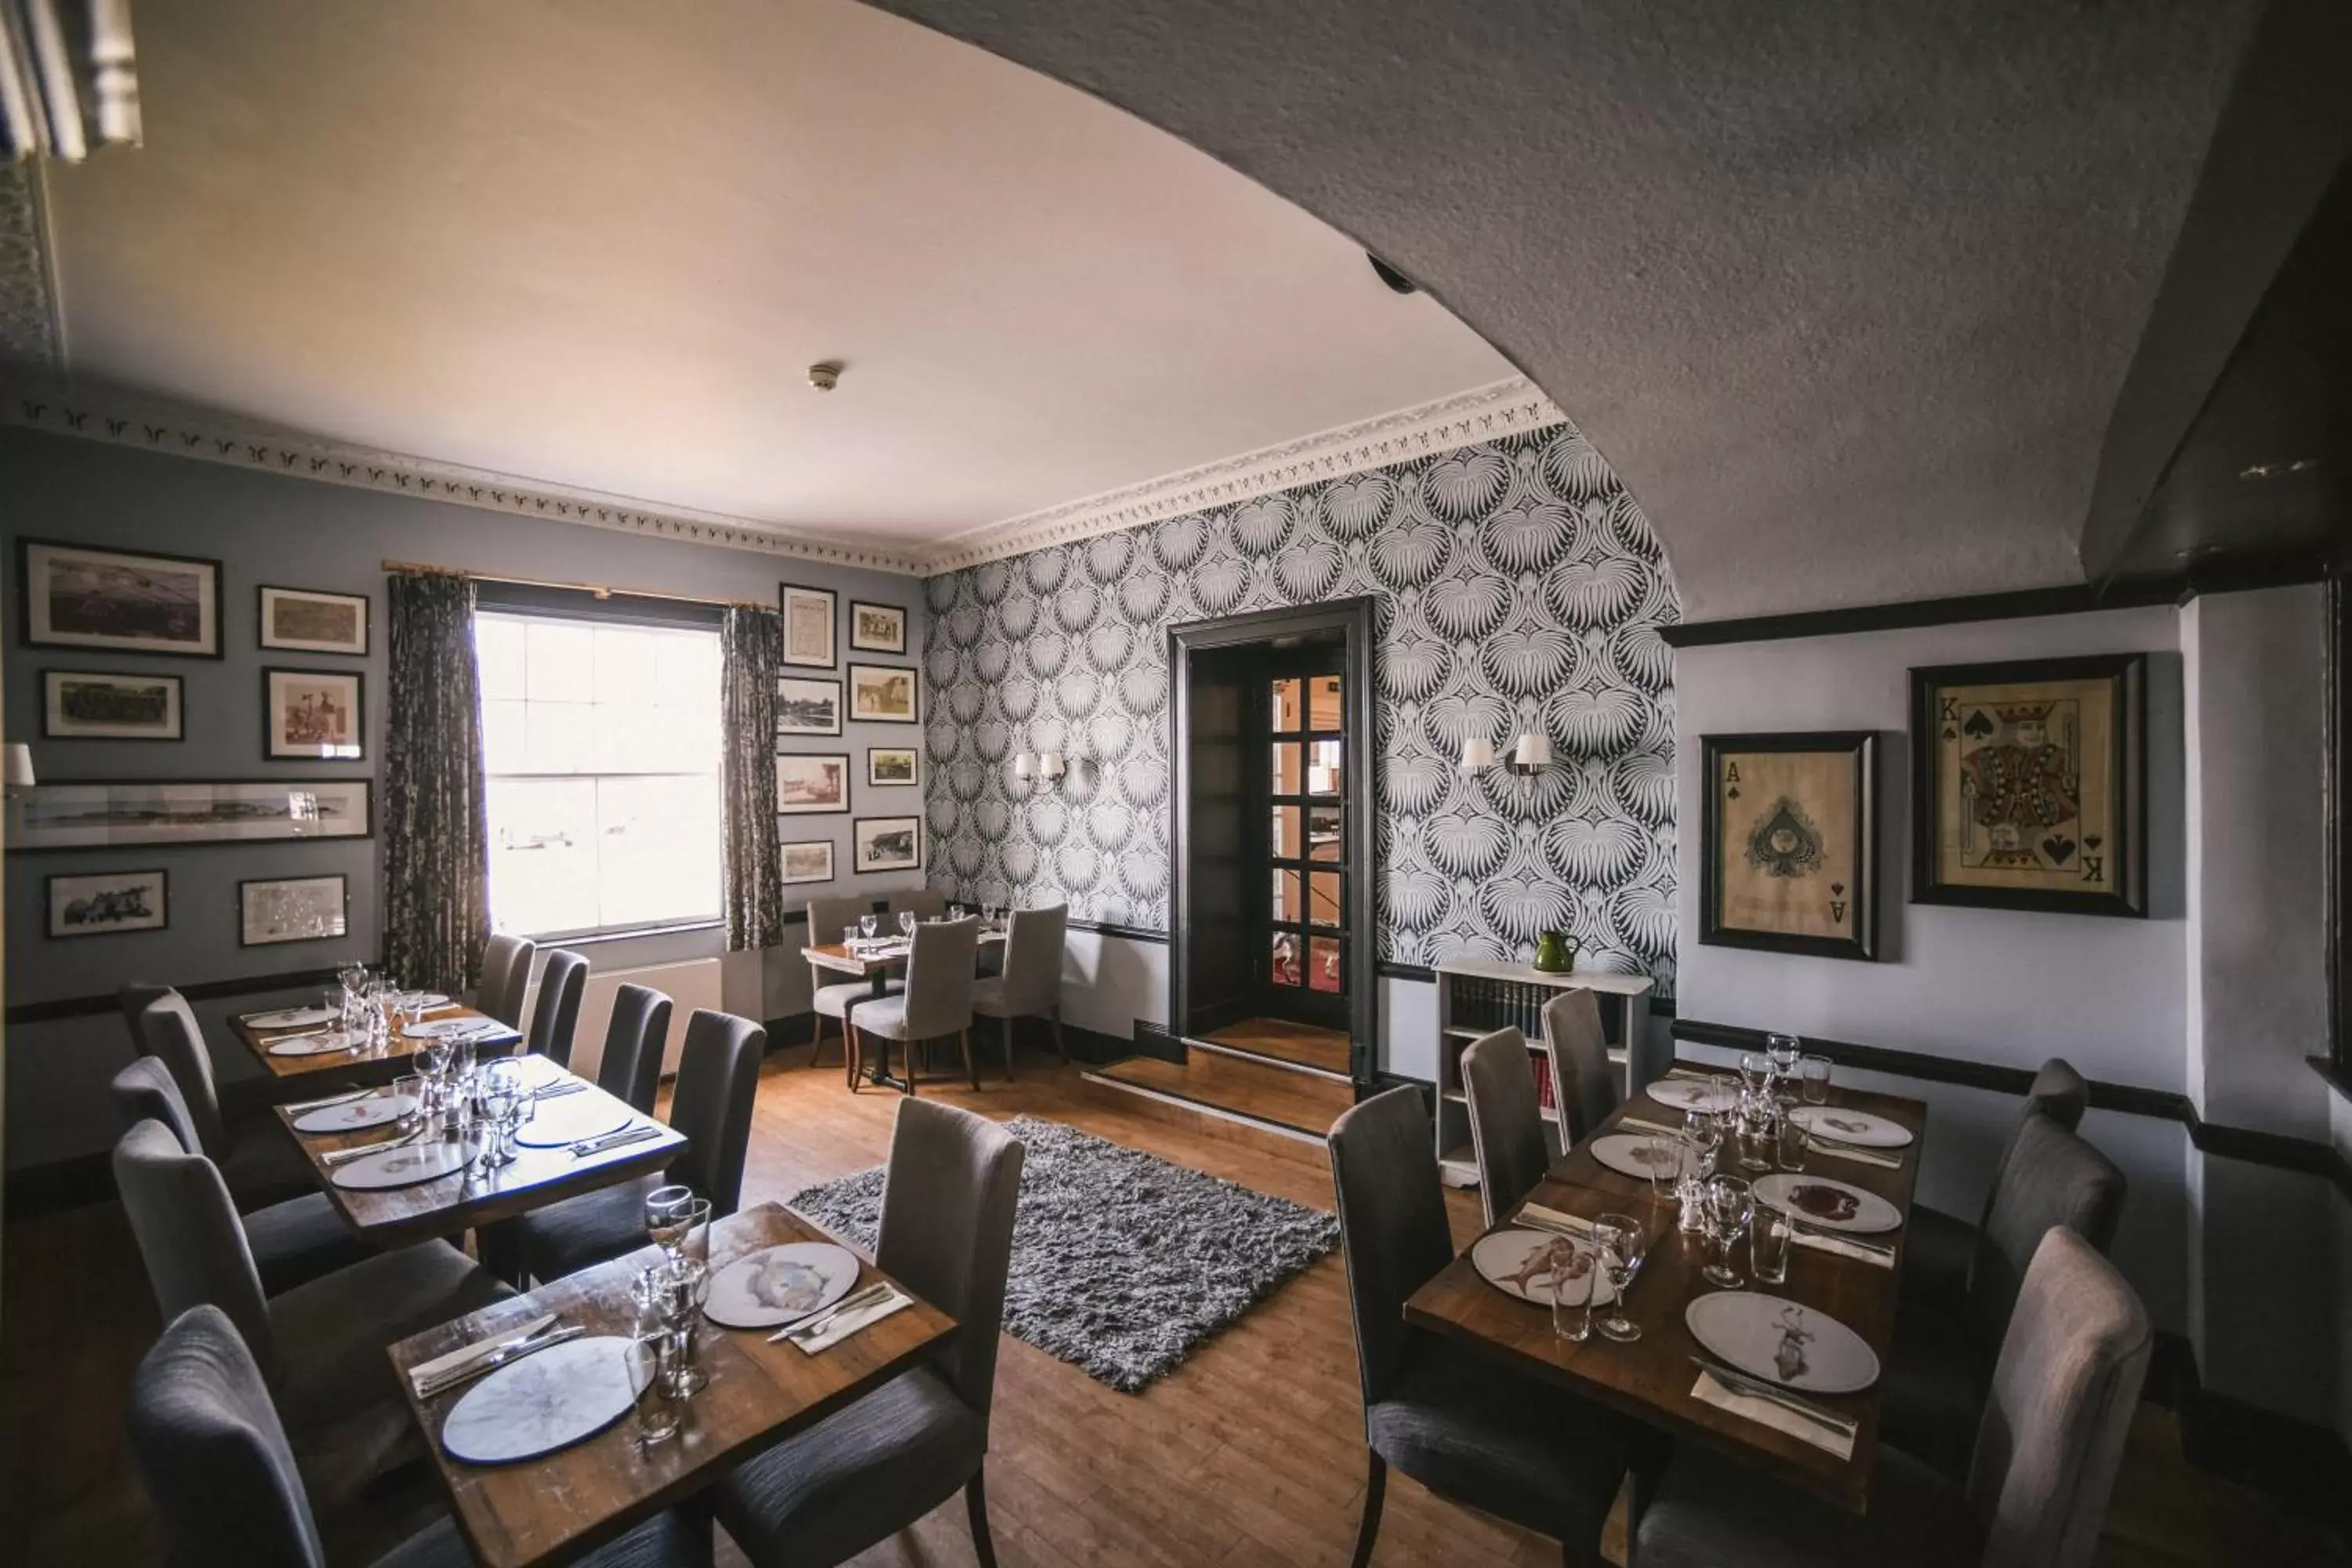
1789, 841
2029, 783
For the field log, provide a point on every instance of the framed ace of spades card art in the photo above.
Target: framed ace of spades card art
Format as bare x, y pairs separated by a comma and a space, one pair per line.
2028, 784
1790, 842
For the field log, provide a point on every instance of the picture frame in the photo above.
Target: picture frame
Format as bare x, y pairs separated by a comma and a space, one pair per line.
99, 705
313, 715
891, 767
876, 628
273, 910
2029, 784
805, 860
812, 786
808, 615
807, 706
886, 844
107, 903
884, 693
1788, 843
88, 596
87, 813
312, 620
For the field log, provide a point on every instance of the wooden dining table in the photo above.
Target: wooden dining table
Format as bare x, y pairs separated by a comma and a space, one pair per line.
551, 1510
873, 964
360, 1065
1652, 1379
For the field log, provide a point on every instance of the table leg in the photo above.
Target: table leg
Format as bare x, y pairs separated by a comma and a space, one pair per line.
878, 1072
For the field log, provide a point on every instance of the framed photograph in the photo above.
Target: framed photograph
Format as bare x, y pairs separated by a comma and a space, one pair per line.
807, 707
83, 816
889, 766
2029, 784
293, 909
1788, 843
304, 620
103, 903
807, 786
72, 596
887, 844
808, 860
89, 705
808, 616
312, 714
876, 628
882, 693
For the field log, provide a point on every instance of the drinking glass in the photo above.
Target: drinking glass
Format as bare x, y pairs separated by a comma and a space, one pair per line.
1571, 1321
1790, 1152
1784, 1052
907, 922
1770, 1234
1729, 1207
1619, 1239
869, 925
1813, 1078
653, 1359
502, 1099
412, 1086
955, 908
1664, 1163
687, 1286
1758, 1121
1755, 1071
668, 1211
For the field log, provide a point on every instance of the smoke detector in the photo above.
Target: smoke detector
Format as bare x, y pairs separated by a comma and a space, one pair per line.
825, 374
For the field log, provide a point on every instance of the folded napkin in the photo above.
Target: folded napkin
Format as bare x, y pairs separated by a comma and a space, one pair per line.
1553, 1219
844, 1324
1832, 1244
424, 1372
1859, 1156
1707, 1391
1656, 1128
1691, 1073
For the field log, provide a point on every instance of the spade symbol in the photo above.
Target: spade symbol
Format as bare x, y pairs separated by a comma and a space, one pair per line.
1950, 733
2092, 841
1977, 726
1837, 890
2059, 847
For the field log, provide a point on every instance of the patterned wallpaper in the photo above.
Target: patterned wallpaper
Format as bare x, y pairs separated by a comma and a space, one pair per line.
1519, 586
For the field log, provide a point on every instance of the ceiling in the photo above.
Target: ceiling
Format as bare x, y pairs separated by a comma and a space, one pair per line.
599, 246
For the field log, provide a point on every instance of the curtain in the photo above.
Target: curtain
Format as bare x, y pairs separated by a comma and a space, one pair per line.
752, 645
437, 826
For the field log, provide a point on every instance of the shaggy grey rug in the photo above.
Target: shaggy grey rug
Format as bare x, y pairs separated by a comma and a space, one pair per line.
1121, 1261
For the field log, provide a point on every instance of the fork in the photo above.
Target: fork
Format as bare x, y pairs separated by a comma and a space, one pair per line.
338, 1156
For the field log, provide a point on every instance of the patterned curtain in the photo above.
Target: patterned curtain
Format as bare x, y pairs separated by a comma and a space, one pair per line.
752, 641
437, 830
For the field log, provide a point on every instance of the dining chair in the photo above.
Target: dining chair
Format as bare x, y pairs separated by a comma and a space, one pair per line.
1584, 1080
635, 1041
1454, 1421
1030, 985
1939, 1247
555, 1016
2040, 1473
923, 903
828, 920
294, 1241
863, 1475
261, 1165
1506, 1134
718, 1085
506, 977
221, 1471
936, 1003
134, 995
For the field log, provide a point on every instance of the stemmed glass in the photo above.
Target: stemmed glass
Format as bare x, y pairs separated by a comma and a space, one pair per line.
1755, 1071
1702, 1136
1619, 1239
907, 923
501, 1098
1758, 1128
1729, 1207
668, 1221
869, 925
687, 1282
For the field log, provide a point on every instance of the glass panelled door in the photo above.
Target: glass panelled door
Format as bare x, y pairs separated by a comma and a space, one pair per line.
1311, 957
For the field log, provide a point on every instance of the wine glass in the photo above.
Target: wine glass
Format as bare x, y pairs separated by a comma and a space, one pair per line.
687, 1283
907, 924
869, 925
1619, 1239
668, 1217
1782, 1051
1729, 1207
1759, 1125
500, 1096
1755, 1071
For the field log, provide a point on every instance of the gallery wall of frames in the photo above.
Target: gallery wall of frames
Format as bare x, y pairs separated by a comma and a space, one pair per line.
848, 726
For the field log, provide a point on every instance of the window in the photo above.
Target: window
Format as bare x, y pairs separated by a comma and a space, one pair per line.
602, 746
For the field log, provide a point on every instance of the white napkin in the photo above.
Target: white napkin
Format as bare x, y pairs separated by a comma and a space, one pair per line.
1820, 1243
1707, 1391
424, 1372
1859, 1156
847, 1323
1691, 1073
1538, 1214
1656, 1128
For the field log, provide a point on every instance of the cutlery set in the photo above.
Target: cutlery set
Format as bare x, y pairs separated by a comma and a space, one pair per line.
620, 1138
359, 1152
1756, 1388
817, 1324
512, 1349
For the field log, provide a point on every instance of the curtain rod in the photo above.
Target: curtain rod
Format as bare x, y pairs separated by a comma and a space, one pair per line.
598, 589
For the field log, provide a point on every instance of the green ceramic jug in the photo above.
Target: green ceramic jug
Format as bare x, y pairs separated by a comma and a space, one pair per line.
1555, 951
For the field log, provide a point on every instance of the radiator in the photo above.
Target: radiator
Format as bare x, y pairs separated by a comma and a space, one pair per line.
689, 984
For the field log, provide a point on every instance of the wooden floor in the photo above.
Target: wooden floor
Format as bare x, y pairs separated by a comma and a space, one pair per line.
1278, 1037
1251, 1453
1296, 1099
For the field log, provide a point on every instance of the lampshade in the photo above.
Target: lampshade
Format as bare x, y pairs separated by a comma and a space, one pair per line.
1478, 751
1051, 765
20, 765
1533, 751
1026, 765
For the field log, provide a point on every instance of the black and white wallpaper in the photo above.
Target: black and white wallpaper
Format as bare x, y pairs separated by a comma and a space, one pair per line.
1519, 586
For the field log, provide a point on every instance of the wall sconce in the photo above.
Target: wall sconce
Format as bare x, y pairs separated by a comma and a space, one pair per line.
1033, 768
1531, 755
1477, 755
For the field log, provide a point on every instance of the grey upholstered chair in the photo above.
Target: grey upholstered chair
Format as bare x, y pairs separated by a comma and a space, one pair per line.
223, 1477
1939, 1363
1031, 983
634, 1040
923, 903
1455, 1422
555, 1016
1584, 1080
1507, 1136
506, 977
831, 998
936, 1003
2043, 1465
293, 1241
717, 1084
1939, 1247
857, 1477
134, 995
261, 1165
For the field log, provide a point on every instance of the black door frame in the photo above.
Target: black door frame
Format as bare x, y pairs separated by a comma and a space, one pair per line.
1353, 619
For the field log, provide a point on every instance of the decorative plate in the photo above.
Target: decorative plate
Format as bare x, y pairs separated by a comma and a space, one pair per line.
779, 1284
289, 1018
1777, 1340
1629, 1153
572, 1118
1859, 1128
1830, 1204
1688, 1094
547, 1400
405, 1166
1515, 1262
356, 1114
318, 1045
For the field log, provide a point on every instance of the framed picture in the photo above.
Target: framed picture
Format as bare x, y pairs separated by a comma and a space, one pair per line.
882, 693
889, 766
312, 714
103, 903
83, 816
293, 909
807, 786
304, 620
808, 615
808, 860
89, 705
1788, 843
2029, 784
73, 596
876, 628
807, 707
887, 844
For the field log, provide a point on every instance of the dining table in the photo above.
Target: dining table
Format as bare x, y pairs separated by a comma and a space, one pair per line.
538, 1513
874, 962
1656, 1379
357, 1065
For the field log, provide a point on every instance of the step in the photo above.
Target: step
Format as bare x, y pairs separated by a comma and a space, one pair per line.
1276, 1094
1198, 1120
1301, 1046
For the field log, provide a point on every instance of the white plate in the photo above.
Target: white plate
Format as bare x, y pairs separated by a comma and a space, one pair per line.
316, 1045
779, 1284
547, 1400
1627, 1153
1509, 1260
403, 1167
1690, 1094
1828, 1203
1859, 1128
1781, 1341
572, 1118
289, 1018
354, 1114
439, 1028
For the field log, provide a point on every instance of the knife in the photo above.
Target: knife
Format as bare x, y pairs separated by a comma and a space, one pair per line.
338, 1156
1755, 1388
817, 1322
620, 1140
1842, 1237
300, 1107
498, 1358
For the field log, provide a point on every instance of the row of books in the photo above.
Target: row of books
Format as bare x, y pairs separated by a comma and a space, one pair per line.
1499, 1004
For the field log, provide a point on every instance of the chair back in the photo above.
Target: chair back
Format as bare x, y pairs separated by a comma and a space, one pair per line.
1391, 1223
143, 1092
718, 1081
2060, 1093
828, 917
940, 978
1584, 1080
555, 1019
635, 1039
2052, 1178
1034, 945
188, 1234
134, 996
1506, 1134
213, 1454
2054, 1424
923, 903
173, 1038
947, 1205
506, 976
